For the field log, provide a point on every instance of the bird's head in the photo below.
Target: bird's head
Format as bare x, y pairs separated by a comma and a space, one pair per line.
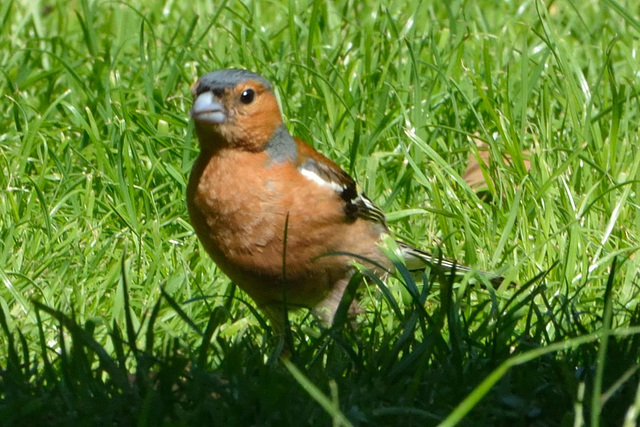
236, 109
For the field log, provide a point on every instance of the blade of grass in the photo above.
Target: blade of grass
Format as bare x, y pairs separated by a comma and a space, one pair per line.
333, 410
596, 395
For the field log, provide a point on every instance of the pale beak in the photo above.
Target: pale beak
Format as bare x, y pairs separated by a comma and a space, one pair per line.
206, 108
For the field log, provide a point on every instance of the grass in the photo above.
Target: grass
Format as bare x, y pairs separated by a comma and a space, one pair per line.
112, 314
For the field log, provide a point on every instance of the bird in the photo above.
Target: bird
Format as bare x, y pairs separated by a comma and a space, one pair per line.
281, 220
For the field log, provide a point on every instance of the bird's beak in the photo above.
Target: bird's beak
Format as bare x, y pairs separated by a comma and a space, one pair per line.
207, 109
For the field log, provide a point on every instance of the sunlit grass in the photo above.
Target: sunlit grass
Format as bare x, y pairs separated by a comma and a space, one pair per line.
96, 147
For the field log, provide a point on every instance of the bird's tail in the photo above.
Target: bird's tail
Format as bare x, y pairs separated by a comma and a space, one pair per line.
417, 260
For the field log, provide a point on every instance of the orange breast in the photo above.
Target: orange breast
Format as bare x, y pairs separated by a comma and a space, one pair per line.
239, 209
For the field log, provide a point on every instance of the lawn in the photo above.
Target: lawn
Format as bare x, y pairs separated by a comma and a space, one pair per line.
112, 314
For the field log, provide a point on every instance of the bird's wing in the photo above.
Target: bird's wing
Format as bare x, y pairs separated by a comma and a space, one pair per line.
324, 172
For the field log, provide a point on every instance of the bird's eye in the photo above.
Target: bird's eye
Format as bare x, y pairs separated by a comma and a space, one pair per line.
247, 96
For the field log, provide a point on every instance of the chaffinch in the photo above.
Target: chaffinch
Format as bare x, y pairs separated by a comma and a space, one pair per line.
256, 193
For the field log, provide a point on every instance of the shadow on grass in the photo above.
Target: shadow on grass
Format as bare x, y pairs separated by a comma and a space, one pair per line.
474, 357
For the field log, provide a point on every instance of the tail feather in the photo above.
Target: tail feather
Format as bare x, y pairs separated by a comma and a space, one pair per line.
417, 259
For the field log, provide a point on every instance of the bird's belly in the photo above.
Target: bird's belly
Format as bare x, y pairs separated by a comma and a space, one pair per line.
264, 256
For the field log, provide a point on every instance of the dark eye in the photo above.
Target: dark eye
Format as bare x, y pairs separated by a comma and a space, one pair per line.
247, 96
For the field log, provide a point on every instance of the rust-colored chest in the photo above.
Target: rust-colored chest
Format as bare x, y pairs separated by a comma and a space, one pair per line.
233, 207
